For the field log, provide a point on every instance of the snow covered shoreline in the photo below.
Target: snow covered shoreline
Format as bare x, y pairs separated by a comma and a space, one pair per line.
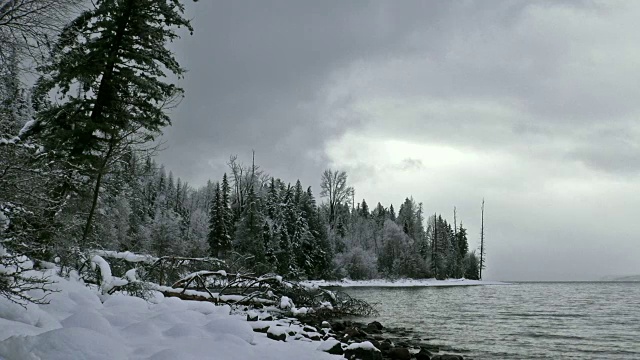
402, 283
79, 323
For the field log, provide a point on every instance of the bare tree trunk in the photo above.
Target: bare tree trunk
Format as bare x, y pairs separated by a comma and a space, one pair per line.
434, 246
455, 222
96, 193
482, 240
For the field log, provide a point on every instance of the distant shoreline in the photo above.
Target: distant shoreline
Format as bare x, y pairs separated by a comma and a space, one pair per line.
402, 283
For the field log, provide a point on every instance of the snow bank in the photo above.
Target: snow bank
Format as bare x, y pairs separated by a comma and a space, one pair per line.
63, 344
400, 283
77, 325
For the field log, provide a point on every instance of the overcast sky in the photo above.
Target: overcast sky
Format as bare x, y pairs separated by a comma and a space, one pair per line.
532, 105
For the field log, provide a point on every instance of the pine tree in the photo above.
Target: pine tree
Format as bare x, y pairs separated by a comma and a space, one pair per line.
322, 254
364, 209
407, 217
463, 249
109, 65
226, 217
249, 232
392, 213
214, 223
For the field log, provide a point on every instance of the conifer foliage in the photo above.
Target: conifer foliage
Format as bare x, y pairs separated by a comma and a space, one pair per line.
107, 72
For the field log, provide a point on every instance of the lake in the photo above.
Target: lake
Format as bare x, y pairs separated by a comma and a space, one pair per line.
534, 320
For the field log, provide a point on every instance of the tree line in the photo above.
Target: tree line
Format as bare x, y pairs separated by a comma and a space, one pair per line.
278, 227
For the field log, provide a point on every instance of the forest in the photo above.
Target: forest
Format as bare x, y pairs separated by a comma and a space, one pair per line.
84, 95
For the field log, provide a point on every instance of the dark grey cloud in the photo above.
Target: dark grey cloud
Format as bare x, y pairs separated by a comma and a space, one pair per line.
257, 72
530, 104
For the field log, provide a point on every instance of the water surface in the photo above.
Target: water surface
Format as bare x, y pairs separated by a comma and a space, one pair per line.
576, 320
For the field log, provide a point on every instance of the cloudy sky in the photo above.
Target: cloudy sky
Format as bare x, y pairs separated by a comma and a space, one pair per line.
532, 105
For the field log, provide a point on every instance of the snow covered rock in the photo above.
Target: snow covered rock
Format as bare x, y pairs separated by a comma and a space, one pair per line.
363, 351
312, 335
261, 326
252, 316
331, 346
278, 333
309, 328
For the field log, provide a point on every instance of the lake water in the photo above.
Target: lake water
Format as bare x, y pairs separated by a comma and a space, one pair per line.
576, 320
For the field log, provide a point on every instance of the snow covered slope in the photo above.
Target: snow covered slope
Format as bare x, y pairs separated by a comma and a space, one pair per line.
78, 325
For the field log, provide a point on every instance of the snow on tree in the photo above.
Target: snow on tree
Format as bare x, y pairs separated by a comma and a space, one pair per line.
109, 85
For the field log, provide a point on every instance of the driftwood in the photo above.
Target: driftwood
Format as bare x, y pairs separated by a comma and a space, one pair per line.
175, 277
266, 290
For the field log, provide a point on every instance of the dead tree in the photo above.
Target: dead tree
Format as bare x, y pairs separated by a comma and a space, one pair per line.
482, 240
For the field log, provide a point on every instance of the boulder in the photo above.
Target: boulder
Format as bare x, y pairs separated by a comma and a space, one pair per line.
354, 332
332, 347
312, 336
399, 353
362, 351
375, 325
385, 345
372, 329
326, 325
278, 337
277, 333
261, 329
447, 357
252, 316
260, 326
375, 342
338, 326
308, 328
424, 354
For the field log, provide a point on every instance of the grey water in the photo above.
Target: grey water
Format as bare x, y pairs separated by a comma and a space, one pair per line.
535, 320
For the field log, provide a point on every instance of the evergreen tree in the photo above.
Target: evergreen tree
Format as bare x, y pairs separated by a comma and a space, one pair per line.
463, 249
472, 266
249, 232
228, 216
321, 254
215, 224
392, 213
109, 65
364, 209
407, 217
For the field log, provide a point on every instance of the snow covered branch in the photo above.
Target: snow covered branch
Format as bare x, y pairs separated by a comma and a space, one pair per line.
18, 283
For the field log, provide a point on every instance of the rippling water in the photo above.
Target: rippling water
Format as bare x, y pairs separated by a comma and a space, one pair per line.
521, 321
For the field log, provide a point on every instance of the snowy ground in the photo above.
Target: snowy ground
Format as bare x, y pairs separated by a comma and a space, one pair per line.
402, 283
78, 324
